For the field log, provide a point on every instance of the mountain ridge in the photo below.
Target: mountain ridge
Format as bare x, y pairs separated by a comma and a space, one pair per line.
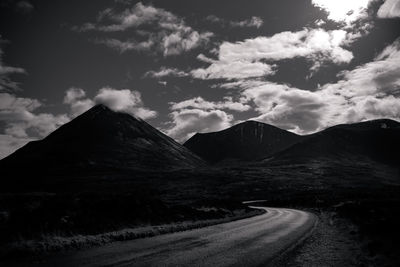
102, 137
370, 139
377, 140
249, 140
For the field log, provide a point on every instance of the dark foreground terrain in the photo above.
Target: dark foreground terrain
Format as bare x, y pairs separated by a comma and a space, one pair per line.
247, 242
107, 176
361, 199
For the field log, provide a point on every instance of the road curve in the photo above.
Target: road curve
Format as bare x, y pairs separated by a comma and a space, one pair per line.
248, 242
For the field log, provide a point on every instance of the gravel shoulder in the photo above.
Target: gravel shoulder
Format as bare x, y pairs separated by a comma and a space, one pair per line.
334, 242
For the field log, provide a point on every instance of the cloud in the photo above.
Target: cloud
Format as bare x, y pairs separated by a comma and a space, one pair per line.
182, 41
6, 83
129, 18
73, 94
308, 43
288, 108
75, 97
124, 100
319, 22
233, 70
369, 91
22, 123
389, 9
199, 115
200, 103
9, 143
19, 116
240, 84
377, 77
186, 122
354, 17
255, 57
254, 21
163, 83
21, 6
169, 33
343, 10
25, 7
123, 46
372, 107
166, 72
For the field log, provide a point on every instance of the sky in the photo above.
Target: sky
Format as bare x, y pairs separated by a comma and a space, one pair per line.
190, 66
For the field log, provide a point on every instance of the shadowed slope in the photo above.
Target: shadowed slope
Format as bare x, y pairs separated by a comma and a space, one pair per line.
249, 140
103, 138
378, 140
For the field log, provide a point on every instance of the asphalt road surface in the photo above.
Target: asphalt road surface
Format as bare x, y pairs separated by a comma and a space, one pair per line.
249, 242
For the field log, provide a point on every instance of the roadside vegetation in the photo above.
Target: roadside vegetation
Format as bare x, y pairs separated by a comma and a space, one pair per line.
106, 206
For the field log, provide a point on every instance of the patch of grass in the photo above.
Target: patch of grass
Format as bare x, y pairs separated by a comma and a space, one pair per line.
53, 242
92, 203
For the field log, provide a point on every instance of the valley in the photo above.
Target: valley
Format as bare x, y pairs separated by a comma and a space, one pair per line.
94, 176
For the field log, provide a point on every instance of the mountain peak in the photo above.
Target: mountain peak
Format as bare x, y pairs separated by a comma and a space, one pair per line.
101, 106
105, 138
252, 123
99, 109
249, 140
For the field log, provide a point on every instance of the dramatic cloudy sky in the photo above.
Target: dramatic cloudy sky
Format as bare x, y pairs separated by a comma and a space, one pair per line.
191, 66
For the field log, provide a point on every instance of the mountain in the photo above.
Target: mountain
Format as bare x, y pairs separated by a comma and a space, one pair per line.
247, 141
377, 140
102, 138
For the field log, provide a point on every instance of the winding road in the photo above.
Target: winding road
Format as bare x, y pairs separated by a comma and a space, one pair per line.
249, 242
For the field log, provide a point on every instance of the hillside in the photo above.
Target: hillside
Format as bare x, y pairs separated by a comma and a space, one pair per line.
377, 140
102, 138
247, 141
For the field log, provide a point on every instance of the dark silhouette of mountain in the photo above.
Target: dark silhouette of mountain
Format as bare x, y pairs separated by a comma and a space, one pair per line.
377, 140
102, 138
248, 141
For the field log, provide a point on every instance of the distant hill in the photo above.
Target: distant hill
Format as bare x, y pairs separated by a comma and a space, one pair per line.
247, 141
102, 138
377, 140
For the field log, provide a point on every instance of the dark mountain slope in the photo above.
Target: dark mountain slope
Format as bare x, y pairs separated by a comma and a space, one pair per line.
249, 140
103, 138
378, 140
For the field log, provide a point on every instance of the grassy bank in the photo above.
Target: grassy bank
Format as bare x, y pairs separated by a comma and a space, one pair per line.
35, 223
54, 243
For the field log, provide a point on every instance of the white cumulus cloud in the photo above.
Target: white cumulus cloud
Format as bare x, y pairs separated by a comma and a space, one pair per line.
22, 123
344, 10
169, 34
166, 72
124, 100
255, 57
389, 9
6, 83
186, 122
369, 91
254, 21
200, 103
